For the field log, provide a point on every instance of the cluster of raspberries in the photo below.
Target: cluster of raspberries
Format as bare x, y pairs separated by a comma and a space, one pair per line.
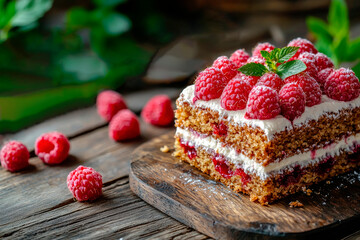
267, 96
123, 123
53, 148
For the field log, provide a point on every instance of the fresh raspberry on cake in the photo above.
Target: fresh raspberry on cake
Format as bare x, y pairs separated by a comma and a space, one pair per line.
235, 94
292, 101
85, 183
226, 66
158, 111
124, 125
304, 46
311, 68
342, 85
307, 55
263, 103
256, 60
322, 61
14, 156
310, 87
271, 80
108, 103
323, 75
239, 57
252, 80
52, 147
262, 47
209, 84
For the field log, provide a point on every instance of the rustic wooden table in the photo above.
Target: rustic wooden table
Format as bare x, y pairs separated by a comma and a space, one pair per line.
36, 204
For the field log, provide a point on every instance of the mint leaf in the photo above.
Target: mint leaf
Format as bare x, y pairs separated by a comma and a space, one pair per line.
116, 23
274, 54
353, 50
290, 68
318, 28
253, 69
265, 54
356, 69
338, 18
29, 11
286, 53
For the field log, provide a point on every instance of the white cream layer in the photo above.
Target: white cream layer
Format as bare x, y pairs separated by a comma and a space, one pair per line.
327, 106
251, 167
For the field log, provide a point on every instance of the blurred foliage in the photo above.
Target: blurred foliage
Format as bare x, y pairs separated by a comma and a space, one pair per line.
333, 37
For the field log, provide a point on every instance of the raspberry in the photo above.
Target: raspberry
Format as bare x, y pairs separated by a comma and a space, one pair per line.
271, 80
209, 84
158, 111
311, 68
85, 183
323, 75
235, 94
310, 87
52, 147
292, 101
124, 125
342, 85
239, 57
226, 66
263, 103
304, 46
307, 55
262, 47
252, 80
108, 103
322, 61
256, 60
14, 156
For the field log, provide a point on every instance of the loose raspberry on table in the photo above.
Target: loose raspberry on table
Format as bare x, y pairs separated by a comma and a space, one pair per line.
342, 85
158, 111
311, 68
124, 125
108, 103
235, 94
52, 147
262, 47
310, 87
239, 57
85, 183
14, 156
226, 66
322, 61
209, 84
252, 80
304, 46
263, 103
322, 76
271, 80
256, 60
292, 101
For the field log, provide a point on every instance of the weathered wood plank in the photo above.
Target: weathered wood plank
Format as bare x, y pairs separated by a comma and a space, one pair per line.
42, 187
186, 194
83, 120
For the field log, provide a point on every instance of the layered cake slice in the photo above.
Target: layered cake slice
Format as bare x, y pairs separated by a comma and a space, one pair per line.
273, 134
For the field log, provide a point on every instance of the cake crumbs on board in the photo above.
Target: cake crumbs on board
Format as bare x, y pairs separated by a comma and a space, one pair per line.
296, 204
165, 149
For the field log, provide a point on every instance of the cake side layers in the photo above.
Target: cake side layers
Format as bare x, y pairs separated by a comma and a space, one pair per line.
270, 189
253, 142
348, 145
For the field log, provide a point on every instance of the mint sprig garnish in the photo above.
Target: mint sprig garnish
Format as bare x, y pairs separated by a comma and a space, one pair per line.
275, 61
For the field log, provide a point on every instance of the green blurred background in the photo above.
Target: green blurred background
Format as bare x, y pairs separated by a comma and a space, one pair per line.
56, 56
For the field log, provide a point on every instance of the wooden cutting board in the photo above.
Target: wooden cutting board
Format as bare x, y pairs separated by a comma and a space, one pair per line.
184, 193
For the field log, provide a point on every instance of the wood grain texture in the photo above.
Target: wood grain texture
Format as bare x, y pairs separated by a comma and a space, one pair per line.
36, 204
190, 197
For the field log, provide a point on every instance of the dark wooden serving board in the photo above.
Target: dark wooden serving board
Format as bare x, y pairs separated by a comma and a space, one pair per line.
184, 193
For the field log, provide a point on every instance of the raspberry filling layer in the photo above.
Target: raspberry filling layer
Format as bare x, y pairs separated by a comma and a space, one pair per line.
190, 151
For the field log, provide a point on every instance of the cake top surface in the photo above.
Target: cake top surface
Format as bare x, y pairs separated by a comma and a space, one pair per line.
275, 125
